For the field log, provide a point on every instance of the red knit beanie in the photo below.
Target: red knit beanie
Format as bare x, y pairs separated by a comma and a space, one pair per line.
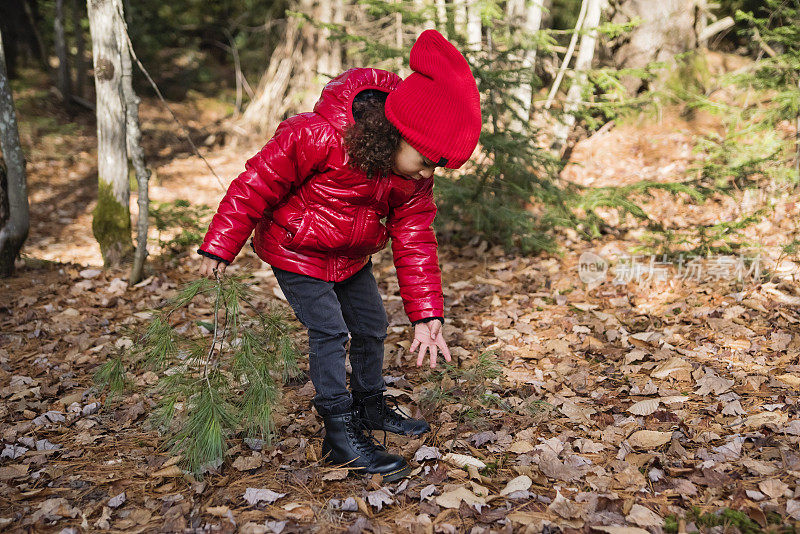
437, 107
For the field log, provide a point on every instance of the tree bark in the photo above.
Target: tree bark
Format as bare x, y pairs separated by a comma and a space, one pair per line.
62, 73
111, 223
474, 30
528, 20
325, 15
32, 12
667, 28
336, 46
441, 16
288, 86
583, 62
460, 17
80, 49
14, 212
134, 145
421, 8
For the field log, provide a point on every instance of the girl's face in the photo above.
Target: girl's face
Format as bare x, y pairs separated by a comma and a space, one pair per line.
410, 164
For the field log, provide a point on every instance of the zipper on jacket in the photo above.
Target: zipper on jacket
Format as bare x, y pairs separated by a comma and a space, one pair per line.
357, 225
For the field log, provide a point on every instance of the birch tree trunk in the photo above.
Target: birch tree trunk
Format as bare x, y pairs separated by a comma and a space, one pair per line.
529, 20
583, 62
134, 146
420, 7
441, 16
111, 222
474, 37
62, 74
14, 214
460, 16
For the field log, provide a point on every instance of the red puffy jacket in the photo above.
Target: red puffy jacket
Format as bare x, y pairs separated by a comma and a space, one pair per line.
315, 215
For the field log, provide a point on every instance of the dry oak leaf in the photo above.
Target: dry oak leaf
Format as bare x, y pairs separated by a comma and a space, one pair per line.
379, 497
644, 407
462, 460
617, 529
520, 447
777, 419
218, 511
521, 483
759, 467
171, 471
791, 380
246, 463
336, 474
711, 383
54, 509
452, 499
566, 508
678, 368
13, 471
552, 467
255, 495
648, 439
644, 517
299, 512
793, 509
427, 453
576, 412
773, 488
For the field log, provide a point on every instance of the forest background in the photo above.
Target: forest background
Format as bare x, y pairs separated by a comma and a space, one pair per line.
620, 267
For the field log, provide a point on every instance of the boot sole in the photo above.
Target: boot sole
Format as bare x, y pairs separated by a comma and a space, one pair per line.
397, 475
387, 477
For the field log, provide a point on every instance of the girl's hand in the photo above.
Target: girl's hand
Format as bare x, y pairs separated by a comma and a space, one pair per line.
207, 266
428, 337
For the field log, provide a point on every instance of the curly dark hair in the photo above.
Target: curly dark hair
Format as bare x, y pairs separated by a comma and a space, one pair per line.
371, 141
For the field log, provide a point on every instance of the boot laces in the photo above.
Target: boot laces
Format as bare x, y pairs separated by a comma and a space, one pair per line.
393, 412
362, 436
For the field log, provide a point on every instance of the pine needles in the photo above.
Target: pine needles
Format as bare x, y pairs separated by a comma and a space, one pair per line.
216, 378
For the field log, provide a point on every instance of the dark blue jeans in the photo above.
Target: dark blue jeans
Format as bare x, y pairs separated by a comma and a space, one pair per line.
332, 312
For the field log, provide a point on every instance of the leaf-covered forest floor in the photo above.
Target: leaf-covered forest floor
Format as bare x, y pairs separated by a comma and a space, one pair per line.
668, 404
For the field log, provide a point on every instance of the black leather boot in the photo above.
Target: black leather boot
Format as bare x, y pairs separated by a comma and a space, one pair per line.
378, 415
346, 444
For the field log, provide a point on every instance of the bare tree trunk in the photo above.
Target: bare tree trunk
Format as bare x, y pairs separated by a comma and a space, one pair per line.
421, 8
62, 74
288, 85
41, 55
398, 40
582, 64
460, 16
441, 16
666, 28
14, 214
80, 49
111, 223
474, 37
336, 46
531, 20
325, 15
134, 145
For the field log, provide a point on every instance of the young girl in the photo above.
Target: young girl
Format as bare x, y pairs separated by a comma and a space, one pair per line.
331, 188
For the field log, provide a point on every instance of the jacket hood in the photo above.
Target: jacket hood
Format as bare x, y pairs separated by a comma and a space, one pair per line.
336, 101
